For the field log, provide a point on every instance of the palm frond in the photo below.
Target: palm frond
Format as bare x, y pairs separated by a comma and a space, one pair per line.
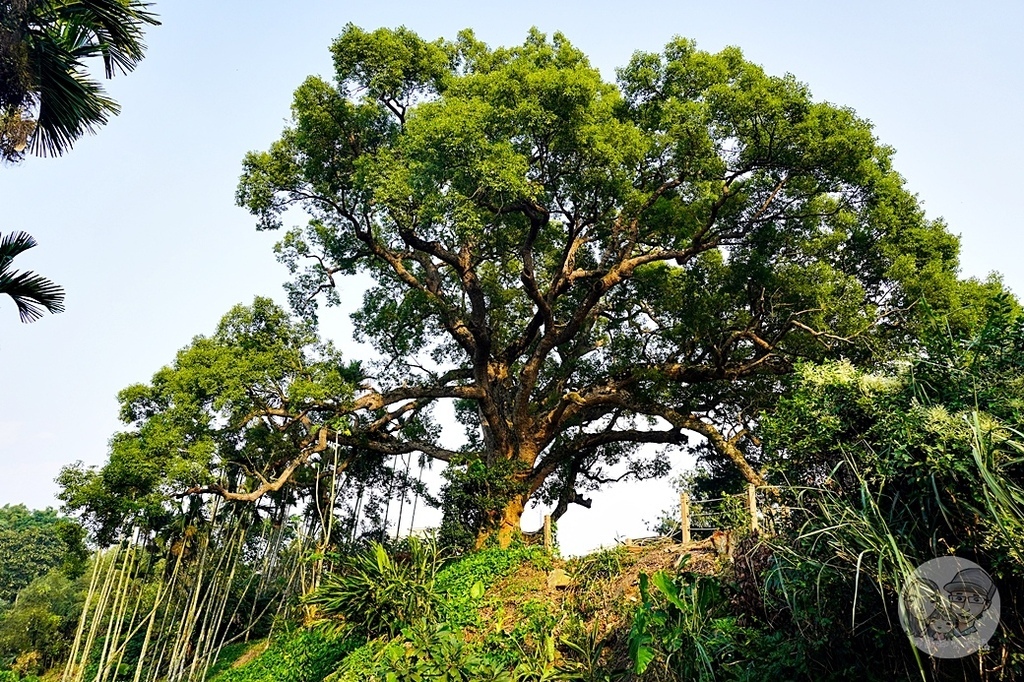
12, 244
116, 28
71, 103
57, 37
33, 294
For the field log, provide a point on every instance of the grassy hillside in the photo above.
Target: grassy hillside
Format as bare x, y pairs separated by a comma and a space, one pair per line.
512, 614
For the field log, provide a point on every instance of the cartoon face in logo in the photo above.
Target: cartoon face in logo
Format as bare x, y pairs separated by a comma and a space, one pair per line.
955, 620
940, 626
929, 613
970, 592
921, 600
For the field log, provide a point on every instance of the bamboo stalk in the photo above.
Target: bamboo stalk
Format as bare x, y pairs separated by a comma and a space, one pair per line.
149, 633
187, 622
130, 576
70, 671
164, 640
212, 616
100, 610
113, 622
214, 647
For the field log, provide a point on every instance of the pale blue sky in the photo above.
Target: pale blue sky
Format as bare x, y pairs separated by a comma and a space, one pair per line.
138, 223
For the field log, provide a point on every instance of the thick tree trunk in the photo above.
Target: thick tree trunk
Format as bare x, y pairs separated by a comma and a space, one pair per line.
511, 521
506, 526
506, 522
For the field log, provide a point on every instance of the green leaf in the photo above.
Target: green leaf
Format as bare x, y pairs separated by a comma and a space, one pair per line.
669, 588
642, 657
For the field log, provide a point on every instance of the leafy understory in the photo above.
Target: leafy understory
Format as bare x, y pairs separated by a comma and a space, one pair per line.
496, 618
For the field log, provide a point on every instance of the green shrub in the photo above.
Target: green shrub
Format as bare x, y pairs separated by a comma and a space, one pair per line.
304, 655
683, 625
375, 593
42, 621
433, 652
473, 497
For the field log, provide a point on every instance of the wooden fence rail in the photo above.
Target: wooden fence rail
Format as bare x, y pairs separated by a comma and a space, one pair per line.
686, 517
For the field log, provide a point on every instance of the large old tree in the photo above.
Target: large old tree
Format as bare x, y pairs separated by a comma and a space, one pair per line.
581, 266
584, 266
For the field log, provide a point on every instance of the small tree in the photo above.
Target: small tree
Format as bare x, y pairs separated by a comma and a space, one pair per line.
32, 543
243, 413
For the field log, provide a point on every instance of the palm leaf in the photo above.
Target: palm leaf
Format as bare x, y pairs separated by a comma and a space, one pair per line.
57, 37
70, 104
12, 244
32, 294
116, 27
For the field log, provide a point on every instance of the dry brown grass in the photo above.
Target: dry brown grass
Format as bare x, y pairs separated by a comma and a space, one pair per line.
601, 598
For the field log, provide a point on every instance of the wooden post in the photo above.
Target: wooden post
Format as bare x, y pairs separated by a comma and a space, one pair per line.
684, 517
547, 533
752, 506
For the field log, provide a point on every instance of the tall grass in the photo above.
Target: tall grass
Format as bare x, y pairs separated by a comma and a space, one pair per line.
995, 452
865, 542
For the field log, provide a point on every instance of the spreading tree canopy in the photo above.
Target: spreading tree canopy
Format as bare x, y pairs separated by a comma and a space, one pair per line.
239, 414
34, 542
581, 266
